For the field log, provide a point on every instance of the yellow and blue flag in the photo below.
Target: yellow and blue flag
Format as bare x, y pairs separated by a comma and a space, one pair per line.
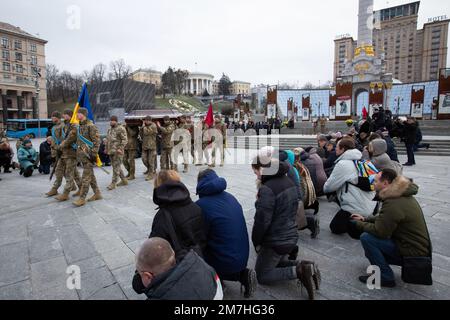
83, 102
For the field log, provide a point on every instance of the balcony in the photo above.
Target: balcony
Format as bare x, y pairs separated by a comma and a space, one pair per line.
17, 82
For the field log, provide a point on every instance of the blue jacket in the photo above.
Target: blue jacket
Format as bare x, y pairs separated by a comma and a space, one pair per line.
24, 160
227, 248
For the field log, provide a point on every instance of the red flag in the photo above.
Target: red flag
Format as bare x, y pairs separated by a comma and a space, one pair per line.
210, 116
364, 113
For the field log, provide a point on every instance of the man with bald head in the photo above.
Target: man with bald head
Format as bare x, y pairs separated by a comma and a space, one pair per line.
160, 277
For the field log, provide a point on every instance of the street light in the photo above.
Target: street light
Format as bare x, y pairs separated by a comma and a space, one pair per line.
37, 86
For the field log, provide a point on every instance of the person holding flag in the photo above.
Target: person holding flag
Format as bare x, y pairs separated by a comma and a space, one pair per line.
88, 144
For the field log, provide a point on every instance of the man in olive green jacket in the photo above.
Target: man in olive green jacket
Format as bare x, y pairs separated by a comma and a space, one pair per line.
398, 230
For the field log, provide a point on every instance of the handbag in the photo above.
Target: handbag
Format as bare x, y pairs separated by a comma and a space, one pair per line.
418, 270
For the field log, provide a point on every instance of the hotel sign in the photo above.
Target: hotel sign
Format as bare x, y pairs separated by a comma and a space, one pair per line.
438, 18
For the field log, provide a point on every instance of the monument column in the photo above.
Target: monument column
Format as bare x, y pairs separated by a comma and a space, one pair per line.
365, 23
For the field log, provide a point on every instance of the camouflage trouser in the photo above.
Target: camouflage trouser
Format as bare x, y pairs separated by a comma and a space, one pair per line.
193, 151
221, 149
88, 179
61, 169
166, 159
184, 150
116, 162
205, 153
149, 160
129, 161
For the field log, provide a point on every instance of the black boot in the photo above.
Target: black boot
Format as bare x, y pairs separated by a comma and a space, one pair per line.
249, 282
313, 225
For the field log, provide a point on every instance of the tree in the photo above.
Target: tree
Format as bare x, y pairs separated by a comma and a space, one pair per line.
308, 86
119, 70
98, 74
224, 85
180, 80
168, 81
52, 79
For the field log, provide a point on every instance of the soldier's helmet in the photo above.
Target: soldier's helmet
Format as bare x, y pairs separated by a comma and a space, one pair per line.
148, 118
166, 119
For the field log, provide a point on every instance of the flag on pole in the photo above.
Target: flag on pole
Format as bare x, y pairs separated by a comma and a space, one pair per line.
210, 116
365, 113
83, 102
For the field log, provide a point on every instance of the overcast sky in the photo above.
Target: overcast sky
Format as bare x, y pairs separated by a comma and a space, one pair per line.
259, 41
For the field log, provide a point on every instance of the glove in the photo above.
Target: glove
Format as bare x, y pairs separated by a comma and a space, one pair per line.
58, 152
30, 156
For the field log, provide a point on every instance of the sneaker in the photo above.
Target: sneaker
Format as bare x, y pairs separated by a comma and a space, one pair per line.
249, 282
384, 284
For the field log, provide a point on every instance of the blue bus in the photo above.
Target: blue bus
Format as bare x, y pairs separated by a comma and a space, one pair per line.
18, 128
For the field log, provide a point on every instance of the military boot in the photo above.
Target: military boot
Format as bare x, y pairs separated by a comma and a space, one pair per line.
123, 183
77, 194
52, 192
112, 186
97, 196
131, 177
80, 202
149, 177
63, 197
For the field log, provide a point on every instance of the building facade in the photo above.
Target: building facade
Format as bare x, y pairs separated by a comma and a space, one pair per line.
240, 87
197, 83
147, 76
23, 89
411, 55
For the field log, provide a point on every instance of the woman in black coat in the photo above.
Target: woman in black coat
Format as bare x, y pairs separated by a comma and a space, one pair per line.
179, 220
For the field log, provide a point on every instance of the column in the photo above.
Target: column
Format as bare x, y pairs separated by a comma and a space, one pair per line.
196, 88
35, 107
20, 104
4, 105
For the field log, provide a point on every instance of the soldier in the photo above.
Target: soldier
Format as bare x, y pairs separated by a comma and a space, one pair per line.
148, 134
198, 141
115, 147
130, 152
323, 124
67, 154
190, 125
184, 140
88, 144
220, 127
166, 130
61, 132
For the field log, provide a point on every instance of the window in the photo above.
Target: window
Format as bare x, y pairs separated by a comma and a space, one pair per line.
19, 56
5, 42
33, 47
17, 44
6, 76
34, 60
6, 66
19, 68
5, 54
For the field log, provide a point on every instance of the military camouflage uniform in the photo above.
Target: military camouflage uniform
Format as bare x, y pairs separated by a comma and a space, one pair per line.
90, 132
148, 136
116, 141
183, 144
167, 146
130, 151
68, 161
67, 156
206, 142
220, 127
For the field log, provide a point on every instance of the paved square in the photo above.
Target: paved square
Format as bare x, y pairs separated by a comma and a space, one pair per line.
40, 238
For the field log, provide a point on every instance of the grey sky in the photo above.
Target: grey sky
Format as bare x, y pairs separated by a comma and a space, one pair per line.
260, 41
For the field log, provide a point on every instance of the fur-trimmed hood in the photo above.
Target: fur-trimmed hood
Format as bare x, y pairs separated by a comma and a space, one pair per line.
401, 187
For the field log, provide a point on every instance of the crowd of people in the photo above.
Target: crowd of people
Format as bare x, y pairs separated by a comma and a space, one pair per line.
194, 247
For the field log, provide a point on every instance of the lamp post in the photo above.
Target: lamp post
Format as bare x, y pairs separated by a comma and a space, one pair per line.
37, 86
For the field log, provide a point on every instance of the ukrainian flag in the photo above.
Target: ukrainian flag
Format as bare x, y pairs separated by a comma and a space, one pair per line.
83, 102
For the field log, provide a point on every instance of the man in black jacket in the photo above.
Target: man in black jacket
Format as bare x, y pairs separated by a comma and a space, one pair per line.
274, 233
45, 156
409, 134
165, 279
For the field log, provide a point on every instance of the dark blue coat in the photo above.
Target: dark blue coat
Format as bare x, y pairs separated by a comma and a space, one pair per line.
227, 248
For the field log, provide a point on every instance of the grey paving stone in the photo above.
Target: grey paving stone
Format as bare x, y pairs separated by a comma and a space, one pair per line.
94, 281
126, 230
14, 263
44, 245
124, 278
113, 292
17, 291
76, 244
118, 258
49, 274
